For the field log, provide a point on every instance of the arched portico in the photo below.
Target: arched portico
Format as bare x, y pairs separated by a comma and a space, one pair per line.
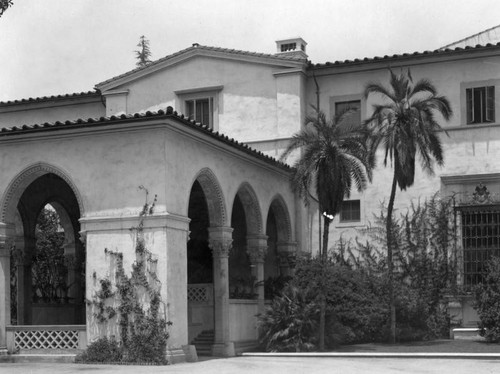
26, 196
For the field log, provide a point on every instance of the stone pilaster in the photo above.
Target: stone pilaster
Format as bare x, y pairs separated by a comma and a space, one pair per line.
220, 242
257, 251
6, 242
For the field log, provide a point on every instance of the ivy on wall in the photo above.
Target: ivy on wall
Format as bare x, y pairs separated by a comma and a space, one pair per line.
134, 302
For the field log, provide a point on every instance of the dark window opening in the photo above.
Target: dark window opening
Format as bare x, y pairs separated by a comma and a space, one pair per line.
351, 211
480, 104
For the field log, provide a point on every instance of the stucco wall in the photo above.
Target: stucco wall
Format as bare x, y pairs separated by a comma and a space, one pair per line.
468, 149
252, 103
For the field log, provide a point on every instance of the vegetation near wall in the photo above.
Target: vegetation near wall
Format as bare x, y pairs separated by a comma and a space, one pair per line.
134, 303
487, 302
356, 283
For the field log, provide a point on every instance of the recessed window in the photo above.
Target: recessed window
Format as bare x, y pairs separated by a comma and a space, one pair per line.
201, 110
480, 104
480, 229
350, 211
354, 117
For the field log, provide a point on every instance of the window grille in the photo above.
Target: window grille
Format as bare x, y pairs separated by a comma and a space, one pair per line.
480, 229
350, 211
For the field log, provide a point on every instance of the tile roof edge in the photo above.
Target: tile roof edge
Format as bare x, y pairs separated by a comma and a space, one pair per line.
436, 52
169, 113
51, 98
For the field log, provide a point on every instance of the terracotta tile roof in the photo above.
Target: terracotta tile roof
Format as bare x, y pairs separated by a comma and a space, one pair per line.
197, 46
52, 98
168, 113
403, 56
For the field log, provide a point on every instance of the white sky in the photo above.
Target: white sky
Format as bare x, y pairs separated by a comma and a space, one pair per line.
51, 47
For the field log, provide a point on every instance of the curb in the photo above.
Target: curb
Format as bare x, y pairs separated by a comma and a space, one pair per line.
415, 355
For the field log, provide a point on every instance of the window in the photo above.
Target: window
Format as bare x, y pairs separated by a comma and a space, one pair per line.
480, 103
201, 110
354, 118
480, 229
203, 104
288, 47
350, 211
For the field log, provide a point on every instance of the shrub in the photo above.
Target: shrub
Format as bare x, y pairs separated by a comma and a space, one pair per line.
487, 302
101, 350
289, 323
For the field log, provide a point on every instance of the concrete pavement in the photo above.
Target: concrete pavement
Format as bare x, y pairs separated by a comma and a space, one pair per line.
275, 365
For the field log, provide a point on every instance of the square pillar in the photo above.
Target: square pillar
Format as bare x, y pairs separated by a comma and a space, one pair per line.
7, 233
220, 242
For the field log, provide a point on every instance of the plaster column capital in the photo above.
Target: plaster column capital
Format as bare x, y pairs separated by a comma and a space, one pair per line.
257, 248
220, 241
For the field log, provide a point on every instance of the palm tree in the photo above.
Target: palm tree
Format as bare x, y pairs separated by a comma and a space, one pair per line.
405, 124
333, 157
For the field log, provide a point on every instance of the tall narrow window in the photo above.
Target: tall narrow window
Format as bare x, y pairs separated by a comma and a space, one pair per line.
480, 104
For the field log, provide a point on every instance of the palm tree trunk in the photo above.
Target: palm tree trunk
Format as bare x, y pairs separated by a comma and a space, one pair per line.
390, 264
322, 302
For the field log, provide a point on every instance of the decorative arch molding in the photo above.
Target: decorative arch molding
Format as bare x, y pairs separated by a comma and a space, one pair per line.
215, 199
22, 180
278, 206
251, 207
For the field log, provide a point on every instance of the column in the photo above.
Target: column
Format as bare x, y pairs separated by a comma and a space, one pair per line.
257, 250
6, 235
287, 252
220, 242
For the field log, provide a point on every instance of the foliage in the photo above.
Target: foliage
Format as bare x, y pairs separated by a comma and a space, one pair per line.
144, 53
357, 284
49, 272
143, 331
273, 286
356, 311
101, 350
425, 266
334, 157
289, 323
486, 303
4, 4
406, 126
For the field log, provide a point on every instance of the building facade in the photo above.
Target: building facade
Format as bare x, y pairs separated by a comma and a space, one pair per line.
203, 129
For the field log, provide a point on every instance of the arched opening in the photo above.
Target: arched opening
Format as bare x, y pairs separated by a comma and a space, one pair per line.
48, 261
246, 222
241, 281
278, 232
200, 263
205, 210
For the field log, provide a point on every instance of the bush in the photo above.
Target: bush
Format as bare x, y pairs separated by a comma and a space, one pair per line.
289, 323
101, 350
356, 299
487, 302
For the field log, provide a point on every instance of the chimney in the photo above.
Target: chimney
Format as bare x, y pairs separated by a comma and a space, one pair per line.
292, 47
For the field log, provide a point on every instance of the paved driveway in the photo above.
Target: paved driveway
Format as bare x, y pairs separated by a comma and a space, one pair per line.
274, 365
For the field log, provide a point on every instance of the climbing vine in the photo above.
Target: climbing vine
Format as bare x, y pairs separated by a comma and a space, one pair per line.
142, 331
